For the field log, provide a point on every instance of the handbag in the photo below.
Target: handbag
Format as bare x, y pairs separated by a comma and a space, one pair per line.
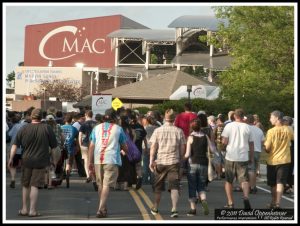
55, 155
211, 173
133, 153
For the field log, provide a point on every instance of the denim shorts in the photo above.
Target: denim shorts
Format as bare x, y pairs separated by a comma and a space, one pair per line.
197, 177
217, 159
253, 166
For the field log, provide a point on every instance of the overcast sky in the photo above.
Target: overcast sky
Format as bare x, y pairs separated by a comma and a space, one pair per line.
152, 16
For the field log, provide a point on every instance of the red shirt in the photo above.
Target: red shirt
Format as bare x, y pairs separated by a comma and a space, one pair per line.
183, 121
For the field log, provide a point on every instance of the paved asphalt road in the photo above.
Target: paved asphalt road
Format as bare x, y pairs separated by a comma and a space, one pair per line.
80, 202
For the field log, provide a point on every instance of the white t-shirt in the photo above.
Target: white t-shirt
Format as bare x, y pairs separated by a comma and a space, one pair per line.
239, 135
258, 137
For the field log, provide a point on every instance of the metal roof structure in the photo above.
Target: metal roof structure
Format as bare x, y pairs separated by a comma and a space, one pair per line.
144, 35
218, 62
139, 73
157, 88
195, 21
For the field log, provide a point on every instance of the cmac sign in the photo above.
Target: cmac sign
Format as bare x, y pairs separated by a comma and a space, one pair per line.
69, 46
69, 42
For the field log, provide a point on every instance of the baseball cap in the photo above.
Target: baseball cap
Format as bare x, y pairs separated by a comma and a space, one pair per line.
201, 112
110, 114
50, 117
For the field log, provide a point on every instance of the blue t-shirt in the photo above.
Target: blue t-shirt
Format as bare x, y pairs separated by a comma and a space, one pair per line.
70, 133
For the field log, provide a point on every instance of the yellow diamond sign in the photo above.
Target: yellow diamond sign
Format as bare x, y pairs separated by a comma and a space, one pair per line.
116, 103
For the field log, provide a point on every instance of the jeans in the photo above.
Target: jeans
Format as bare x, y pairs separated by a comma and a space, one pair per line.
197, 177
147, 174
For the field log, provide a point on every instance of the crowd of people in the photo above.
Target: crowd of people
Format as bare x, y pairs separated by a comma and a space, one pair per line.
49, 144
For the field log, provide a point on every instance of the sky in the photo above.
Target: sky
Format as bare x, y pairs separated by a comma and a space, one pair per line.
16, 17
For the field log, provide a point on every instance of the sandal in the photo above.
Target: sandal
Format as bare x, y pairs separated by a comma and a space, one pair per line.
287, 190
229, 206
22, 214
37, 214
271, 205
101, 213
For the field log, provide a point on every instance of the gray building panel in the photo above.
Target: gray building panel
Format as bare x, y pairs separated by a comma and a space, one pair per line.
127, 23
220, 62
195, 21
144, 34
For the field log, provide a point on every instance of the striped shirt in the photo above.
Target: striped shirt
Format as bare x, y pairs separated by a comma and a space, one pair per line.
168, 138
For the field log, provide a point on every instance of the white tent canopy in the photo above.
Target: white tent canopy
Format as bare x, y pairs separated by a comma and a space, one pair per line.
198, 91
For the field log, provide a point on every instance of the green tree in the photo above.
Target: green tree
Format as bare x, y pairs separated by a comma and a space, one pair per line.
10, 77
261, 40
62, 90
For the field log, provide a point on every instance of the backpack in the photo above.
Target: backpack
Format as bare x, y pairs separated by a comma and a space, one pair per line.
133, 154
8, 138
218, 134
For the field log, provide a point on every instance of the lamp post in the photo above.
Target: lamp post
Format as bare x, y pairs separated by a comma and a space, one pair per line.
189, 90
97, 79
44, 89
81, 65
91, 83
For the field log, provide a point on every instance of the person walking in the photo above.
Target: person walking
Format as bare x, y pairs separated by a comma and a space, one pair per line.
50, 120
35, 138
84, 140
77, 120
219, 161
238, 137
259, 138
70, 134
107, 141
288, 188
183, 119
149, 127
17, 158
277, 146
139, 138
169, 143
196, 153
206, 129
127, 172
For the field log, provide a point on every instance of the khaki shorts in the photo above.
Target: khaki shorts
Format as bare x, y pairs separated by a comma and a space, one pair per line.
236, 169
163, 172
33, 177
106, 174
